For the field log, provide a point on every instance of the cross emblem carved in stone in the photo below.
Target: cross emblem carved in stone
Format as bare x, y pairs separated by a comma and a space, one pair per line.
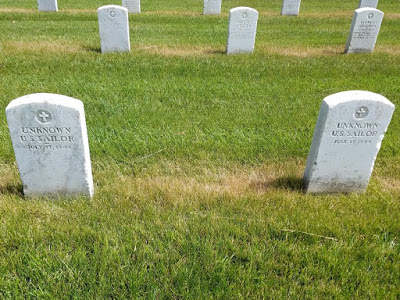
361, 112
43, 116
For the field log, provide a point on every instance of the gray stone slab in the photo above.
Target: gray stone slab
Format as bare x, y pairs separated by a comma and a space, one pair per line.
212, 7
47, 5
347, 138
242, 30
368, 3
290, 7
51, 147
133, 6
114, 28
364, 30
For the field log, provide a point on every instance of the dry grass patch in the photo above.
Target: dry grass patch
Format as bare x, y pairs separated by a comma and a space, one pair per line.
181, 51
391, 16
331, 14
269, 13
174, 13
319, 51
179, 187
301, 51
43, 46
79, 11
18, 10
393, 49
390, 184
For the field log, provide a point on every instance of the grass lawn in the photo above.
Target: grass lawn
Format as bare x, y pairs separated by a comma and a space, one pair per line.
198, 157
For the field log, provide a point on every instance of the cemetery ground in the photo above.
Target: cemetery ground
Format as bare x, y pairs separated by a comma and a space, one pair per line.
198, 157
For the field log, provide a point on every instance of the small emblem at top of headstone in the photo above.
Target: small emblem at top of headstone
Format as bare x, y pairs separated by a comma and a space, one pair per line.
43, 116
244, 15
112, 14
370, 16
361, 112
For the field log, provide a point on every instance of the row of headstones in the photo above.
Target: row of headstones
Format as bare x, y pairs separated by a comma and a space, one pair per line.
114, 28
292, 7
133, 6
210, 7
242, 28
51, 147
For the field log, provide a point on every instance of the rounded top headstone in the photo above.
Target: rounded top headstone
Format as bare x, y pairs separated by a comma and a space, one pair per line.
245, 11
112, 8
355, 95
48, 98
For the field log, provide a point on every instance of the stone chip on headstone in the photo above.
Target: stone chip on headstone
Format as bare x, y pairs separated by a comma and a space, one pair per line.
364, 30
47, 5
133, 6
347, 137
51, 147
290, 7
368, 3
242, 30
114, 28
212, 7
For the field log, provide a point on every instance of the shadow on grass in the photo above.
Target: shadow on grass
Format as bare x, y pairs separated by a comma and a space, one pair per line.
215, 52
12, 189
288, 183
93, 49
291, 183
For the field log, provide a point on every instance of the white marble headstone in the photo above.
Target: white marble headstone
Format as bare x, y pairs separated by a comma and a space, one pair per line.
51, 147
212, 7
242, 30
347, 137
47, 5
290, 7
368, 3
114, 28
133, 6
364, 30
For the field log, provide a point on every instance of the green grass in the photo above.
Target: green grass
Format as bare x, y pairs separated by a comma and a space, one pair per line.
198, 156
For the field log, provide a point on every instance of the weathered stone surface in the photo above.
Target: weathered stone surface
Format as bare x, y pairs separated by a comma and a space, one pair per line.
51, 147
368, 3
133, 6
242, 30
47, 5
347, 137
364, 30
212, 7
114, 28
290, 7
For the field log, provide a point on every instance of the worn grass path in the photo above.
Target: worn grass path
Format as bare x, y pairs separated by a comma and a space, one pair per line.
198, 157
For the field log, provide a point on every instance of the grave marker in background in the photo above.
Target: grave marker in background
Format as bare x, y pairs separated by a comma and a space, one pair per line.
290, 7
242, 30
114, 28
47, 5
347, 137
212, 7
368, 3
364, 30
133, 6
51, 147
